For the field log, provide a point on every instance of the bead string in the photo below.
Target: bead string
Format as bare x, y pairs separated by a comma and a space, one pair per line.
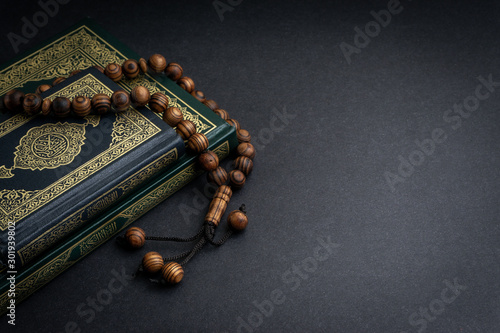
81, 106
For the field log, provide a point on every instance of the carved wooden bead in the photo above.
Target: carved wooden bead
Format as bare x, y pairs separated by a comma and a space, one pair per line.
58, 80
172, 272
244, 164
120, 100
172, 116
174, 71
157, 63
99, 68
208, 160
140, 96
234, 123
185, 129
186, 83
13, 100
243, 135
152, 262
114, 72
81, 106
197, 142
199, 95
46, 107
217, 176
246, 149
143, 65
130, 68
222, 113
237, 179
61, 106
42, 88
158, 102
211, 104
101, 103
74, 72
135, 237
237, 220
32, 104
218, 205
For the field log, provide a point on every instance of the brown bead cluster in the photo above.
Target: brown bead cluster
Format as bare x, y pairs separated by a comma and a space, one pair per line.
120, 101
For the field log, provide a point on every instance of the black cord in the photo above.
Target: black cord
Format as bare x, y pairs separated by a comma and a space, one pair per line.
222, 240
195, 250
176, 239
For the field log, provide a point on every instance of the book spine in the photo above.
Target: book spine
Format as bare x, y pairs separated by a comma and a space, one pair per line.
77, 246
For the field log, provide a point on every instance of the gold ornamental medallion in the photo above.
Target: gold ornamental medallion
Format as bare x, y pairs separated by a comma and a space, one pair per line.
49, 146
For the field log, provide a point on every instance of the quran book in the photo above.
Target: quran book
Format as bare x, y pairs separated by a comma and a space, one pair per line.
58, 173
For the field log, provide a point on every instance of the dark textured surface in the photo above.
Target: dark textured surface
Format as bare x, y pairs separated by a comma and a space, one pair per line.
320, 175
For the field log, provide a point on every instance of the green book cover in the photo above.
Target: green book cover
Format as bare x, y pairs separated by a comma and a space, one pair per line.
78, 48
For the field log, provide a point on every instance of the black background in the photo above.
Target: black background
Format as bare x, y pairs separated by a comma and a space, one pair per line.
320, 176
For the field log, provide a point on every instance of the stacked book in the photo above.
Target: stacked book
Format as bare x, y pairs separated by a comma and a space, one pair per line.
68, 185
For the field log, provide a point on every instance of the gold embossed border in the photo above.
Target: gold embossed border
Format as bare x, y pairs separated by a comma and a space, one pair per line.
142, 129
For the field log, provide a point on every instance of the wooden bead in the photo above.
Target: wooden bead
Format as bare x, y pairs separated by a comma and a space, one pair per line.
99, 68
74, 72
234, 123
140, 96
172, 272
157, 63
197, 142
172, 116
81, 106
237, 220
130, 68
246, 149
158, 102
222, 113
208, 160
237, 179
185, 129
174, 71
211, 104
135, 237
218, 205
58, 80
61, 106
101, 103
152, 262
46, 107
13, 100
120, 100
243, 135
244, 164
217, 176
32, 103
186, 83
199, 95
42, 88
143, 65
114, 72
